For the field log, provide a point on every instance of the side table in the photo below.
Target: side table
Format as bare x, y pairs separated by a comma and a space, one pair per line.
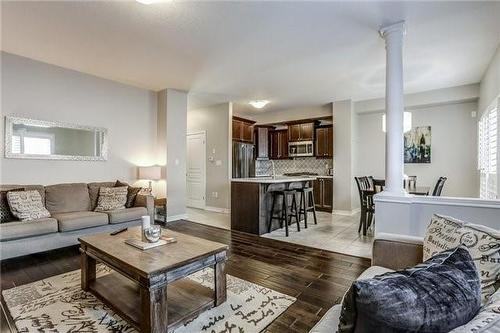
161, 203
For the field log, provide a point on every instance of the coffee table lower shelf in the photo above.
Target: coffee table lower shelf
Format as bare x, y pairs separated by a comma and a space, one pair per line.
186, 298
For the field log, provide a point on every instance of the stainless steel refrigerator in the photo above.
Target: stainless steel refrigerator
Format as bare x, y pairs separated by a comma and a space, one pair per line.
243, 160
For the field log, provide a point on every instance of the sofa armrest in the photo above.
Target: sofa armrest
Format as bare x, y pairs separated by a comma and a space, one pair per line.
147, 201
396, 251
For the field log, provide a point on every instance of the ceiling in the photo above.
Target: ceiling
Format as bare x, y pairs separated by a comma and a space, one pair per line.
291, 53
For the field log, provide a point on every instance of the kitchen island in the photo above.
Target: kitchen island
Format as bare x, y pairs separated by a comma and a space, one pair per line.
251, 201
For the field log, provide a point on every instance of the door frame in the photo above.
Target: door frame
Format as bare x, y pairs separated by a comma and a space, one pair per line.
204, 167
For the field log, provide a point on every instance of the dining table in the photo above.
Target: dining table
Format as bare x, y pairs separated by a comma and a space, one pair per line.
419, 190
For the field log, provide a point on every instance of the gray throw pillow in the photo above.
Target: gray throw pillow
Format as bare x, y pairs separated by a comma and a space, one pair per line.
436, 296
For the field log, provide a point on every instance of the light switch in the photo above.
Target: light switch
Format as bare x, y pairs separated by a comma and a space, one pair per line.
213, 151
218, 162
176, 161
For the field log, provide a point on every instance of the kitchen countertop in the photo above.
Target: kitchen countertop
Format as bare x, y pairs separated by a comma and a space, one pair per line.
275, 180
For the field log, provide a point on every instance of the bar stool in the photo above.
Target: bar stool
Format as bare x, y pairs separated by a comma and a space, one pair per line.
306, 203
286, 212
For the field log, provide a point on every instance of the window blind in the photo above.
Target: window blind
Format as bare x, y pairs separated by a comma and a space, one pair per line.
488, 154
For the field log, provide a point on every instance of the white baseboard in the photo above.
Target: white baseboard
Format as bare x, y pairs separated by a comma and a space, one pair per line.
218, 209
177, 217
347, 212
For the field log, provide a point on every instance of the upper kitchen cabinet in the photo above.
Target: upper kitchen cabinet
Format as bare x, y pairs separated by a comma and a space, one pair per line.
243, 129
278, 144
324, 142
301, 132
262, 134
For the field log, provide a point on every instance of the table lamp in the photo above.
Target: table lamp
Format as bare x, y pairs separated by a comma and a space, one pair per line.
150, 173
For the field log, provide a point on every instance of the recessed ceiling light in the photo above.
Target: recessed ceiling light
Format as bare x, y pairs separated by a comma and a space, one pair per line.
147, 2
259, 104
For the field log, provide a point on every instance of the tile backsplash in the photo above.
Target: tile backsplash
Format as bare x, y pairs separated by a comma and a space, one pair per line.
303, 164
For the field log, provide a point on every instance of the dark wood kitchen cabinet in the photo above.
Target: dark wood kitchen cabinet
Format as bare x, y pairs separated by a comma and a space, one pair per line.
323, 194
278, 144
324, 142
243, 129
262, 138
301, 132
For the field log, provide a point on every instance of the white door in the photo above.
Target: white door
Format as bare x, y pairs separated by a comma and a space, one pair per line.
196, 170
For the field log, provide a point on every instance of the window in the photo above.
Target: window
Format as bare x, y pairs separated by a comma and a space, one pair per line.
488, 154
32, 143
37, 146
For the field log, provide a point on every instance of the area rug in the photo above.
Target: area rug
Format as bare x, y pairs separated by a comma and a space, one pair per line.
57, 304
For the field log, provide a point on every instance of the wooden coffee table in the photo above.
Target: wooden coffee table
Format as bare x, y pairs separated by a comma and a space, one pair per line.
149, 288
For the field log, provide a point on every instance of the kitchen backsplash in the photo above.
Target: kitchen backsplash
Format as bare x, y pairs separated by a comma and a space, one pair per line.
304, 164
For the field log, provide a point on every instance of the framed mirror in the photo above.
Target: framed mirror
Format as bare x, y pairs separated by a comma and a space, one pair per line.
53, 140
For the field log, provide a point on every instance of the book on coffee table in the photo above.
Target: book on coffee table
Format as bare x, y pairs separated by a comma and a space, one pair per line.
146, 245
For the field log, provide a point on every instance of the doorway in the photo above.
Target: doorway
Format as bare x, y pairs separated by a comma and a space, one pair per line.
196, 170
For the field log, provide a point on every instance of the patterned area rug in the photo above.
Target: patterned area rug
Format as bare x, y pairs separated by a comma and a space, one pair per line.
57, 304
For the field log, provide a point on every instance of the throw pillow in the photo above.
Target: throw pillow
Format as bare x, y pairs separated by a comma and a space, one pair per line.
111, 198
487, 320
424, 298
27, 205
482, 242
132, 193
5, 213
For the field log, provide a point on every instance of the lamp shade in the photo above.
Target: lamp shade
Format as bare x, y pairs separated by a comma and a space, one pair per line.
150, 172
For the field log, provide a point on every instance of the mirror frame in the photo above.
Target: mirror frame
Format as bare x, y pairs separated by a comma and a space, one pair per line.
11, 120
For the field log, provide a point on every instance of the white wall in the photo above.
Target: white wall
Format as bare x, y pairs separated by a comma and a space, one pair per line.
411, 215
490, 84
34, 89
214, 121
454, 147
344, 134
172, 143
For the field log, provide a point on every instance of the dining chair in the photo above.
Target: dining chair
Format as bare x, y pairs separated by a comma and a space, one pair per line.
366, 191
439, 187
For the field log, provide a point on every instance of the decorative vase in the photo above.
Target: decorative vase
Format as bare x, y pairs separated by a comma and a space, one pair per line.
152, 234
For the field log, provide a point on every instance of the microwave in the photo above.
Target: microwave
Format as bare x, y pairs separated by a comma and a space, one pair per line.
300, 149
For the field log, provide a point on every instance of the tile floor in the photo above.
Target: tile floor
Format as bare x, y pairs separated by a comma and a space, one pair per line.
335, 233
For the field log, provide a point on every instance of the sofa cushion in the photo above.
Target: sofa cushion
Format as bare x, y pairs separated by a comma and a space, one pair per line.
111, 198
483, 243
80, 220
27, 205
39, 188
94, 192
65, 198
126, 215
22, 229
424, 298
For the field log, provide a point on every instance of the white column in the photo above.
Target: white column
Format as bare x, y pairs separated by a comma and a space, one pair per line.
394, 105
172, 130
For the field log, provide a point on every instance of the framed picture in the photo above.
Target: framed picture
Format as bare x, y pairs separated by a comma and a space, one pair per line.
417, 145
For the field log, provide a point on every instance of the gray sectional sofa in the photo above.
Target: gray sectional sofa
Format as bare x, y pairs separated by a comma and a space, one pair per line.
72, 215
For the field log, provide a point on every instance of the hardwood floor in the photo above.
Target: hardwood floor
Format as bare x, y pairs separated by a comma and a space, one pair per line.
317, 278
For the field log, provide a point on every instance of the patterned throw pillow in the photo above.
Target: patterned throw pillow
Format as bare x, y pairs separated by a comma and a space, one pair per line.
5, 214
487, 320
424, 298
111, 198
27, 205
132, 193
482, 242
